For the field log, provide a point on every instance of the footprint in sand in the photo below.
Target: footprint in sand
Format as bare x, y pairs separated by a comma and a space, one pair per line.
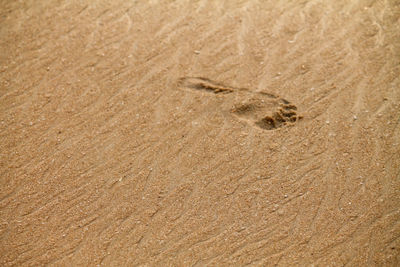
260, 109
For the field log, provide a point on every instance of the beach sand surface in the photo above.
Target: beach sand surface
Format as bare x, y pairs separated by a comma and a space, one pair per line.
199, 133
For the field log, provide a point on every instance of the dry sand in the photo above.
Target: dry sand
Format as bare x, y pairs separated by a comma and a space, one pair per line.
200, 133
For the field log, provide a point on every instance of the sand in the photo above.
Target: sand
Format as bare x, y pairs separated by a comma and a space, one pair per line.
199, 133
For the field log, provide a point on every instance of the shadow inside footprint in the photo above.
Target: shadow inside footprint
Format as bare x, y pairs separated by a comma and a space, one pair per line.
266, 123
204, 84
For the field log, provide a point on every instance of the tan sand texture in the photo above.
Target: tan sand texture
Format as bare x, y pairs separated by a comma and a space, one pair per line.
199, 133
